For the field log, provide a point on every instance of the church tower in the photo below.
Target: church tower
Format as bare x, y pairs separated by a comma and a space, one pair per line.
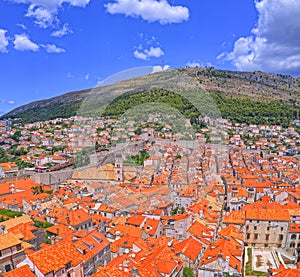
119, 168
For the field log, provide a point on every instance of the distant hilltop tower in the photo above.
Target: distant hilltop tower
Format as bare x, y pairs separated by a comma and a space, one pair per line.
119, 168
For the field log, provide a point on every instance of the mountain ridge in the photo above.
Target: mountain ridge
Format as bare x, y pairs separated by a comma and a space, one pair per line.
256, 86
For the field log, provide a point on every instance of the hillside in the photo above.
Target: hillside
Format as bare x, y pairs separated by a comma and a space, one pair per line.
240, 96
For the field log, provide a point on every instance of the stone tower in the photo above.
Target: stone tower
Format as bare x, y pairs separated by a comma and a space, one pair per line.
119, 168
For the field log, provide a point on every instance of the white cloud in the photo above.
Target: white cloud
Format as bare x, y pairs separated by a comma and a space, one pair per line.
274, 44
193, 64
11, 102
22, 26
44, 11
3, 41
87, 76
196, 63
158, 68
43, 17
146, 54
23, 43
154, 52
62, 32
140, 55
150, 10
52, 48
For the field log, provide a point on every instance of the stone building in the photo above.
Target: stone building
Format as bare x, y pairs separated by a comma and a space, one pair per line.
267, 227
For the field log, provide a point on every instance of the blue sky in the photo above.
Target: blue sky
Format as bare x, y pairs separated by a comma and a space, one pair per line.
49, 47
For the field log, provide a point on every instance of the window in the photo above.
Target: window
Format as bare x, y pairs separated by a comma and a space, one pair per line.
255, 236
8, 267
255, 227
293, 236
18, 247
248, 236
280, 237
247, 227
266, 245
268, 228
292, 245
267, 237
281, 228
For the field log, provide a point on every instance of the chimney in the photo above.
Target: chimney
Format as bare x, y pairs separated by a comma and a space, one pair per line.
126, 265
118, 235
135, 272
3, 229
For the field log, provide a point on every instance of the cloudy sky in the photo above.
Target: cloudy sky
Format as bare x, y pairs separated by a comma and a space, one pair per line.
49, 47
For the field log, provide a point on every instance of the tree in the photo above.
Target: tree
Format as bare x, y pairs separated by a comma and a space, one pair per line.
188, 272
97, 145
174, 211
3, 156
16, 136
37, 190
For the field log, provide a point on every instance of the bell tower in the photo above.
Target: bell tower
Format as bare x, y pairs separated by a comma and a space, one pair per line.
119, 168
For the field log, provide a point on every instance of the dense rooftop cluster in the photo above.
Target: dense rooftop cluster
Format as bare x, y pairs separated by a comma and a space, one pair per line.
186, 208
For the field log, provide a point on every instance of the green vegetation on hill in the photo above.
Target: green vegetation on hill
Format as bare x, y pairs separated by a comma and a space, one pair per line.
48, 112
127, 101
137, 159
245, 110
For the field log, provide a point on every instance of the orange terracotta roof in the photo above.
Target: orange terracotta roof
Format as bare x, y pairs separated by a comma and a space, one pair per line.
23, 271
231, 231
128, 242
294, 228
288, 273
92, 243
136, 220
189, 247
165, 267
235, 217
16, 221
8, 240
201, 232
150, 226
55, 257
24, 229
223, 248
126, 230
267, 214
